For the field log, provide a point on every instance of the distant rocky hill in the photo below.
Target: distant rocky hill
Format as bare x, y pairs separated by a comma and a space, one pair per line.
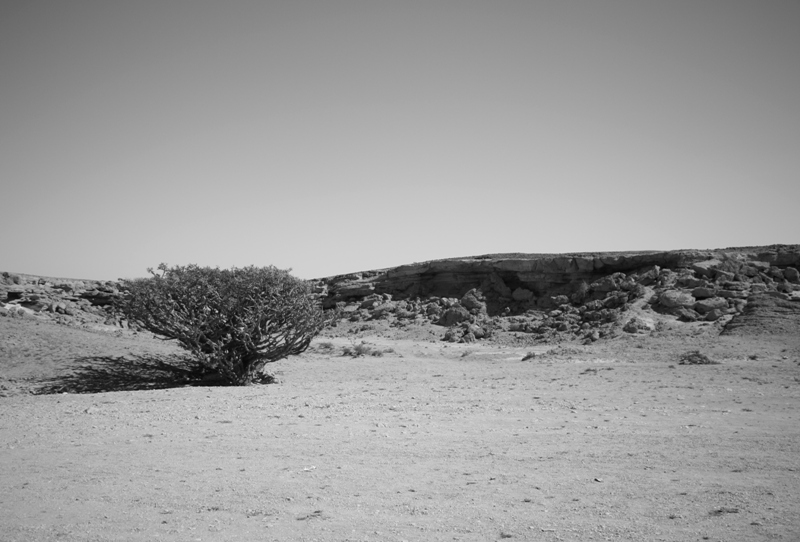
548, 296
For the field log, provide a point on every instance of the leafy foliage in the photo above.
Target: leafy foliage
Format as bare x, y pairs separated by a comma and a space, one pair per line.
233, 321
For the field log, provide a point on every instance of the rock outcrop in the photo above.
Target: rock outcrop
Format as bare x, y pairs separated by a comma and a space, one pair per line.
578, 295
549, 297
65, 301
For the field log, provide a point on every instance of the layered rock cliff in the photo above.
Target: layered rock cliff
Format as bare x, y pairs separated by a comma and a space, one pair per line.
562, 296
536, 278
577, 295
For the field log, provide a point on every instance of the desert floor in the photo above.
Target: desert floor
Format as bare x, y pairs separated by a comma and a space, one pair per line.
430, 441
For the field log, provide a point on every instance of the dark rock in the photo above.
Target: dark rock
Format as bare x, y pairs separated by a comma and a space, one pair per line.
714, 315
784, 287
702, 292
454, 315
648, 275
615, 300
687, 281
776, 273
521, 294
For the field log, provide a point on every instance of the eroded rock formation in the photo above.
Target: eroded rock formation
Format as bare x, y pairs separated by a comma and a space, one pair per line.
552, 297
65, 301
577, 295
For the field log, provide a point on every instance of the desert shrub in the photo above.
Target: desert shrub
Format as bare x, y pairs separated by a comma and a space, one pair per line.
233, 321
363, 349
694, 357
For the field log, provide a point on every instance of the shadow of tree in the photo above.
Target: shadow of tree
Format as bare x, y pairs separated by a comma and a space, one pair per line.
129, 373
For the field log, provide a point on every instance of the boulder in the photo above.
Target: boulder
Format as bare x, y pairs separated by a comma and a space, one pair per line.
452, 335
785, 287
686, 315
467, 338
615, 300
776, 273
714, 315
635, 325
758, 288
706, 268
608, 283
474, 302
648, 276
475, 330
722, 276
676, 298
713, 303
702, 292
791, 274
688, 281
454, 315
433, 309
499, 286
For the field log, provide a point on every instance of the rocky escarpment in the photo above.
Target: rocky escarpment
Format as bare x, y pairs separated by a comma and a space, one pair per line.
545, 297
578, 295
64, 301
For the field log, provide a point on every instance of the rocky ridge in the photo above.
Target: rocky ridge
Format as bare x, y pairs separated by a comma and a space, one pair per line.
571, 296
543, 297
65, 301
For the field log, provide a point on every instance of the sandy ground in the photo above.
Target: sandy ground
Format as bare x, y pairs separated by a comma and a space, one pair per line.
430, 441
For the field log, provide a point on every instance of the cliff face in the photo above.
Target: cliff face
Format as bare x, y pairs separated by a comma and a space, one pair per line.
576, 296
538, 278
551, 297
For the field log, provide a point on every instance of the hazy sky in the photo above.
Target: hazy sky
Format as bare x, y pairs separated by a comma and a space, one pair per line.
338, 136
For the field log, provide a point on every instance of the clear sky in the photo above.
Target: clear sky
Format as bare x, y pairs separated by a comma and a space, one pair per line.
337, 136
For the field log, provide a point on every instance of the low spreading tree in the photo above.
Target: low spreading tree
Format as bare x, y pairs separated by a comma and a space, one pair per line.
233, 321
